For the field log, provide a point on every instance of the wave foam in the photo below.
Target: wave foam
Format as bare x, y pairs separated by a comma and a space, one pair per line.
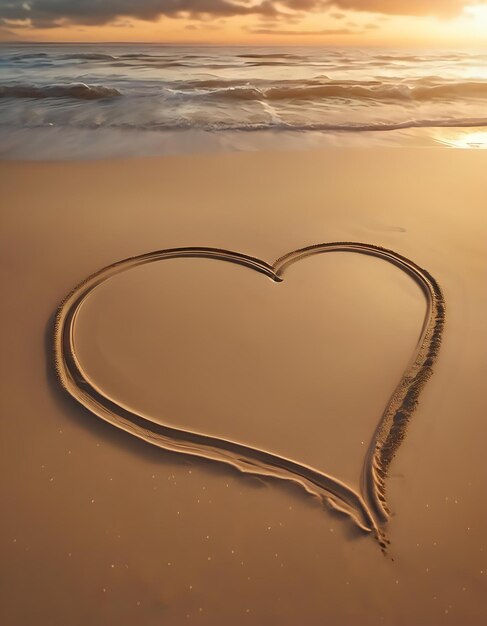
367, 90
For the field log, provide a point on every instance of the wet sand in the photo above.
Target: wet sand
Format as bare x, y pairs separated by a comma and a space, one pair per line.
100, 526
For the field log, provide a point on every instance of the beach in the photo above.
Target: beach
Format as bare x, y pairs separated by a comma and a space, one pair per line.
101, 527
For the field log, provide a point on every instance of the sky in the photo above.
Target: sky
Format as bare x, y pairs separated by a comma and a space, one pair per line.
450, 23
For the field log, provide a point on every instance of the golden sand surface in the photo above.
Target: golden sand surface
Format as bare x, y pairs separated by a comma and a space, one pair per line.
319, 365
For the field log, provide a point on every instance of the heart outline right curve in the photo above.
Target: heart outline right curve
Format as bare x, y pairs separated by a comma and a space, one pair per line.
367, 508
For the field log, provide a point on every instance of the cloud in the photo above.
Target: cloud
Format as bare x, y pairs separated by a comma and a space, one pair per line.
202, 27
406, 7
323, 32
49, 13
55, 12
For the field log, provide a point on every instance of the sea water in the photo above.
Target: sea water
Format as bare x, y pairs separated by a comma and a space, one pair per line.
77, 101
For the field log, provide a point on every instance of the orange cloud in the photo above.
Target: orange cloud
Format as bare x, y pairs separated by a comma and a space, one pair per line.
405, 7
49, 14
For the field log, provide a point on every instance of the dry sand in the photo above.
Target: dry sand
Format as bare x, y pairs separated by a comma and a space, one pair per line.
99, 527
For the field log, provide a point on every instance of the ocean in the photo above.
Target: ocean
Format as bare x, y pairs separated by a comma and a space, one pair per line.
84, 101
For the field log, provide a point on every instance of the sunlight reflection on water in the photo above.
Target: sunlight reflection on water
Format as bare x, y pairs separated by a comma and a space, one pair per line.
464, 139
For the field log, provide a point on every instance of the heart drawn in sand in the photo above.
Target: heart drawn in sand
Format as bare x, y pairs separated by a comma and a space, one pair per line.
367, 506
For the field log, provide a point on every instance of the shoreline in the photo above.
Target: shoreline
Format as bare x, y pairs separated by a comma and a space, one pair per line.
76, 144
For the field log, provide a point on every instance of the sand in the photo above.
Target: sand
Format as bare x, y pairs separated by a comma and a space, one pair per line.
295, 366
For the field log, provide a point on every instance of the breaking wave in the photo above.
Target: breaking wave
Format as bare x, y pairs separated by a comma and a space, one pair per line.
368, 90
90, 56
78, 91
236, 89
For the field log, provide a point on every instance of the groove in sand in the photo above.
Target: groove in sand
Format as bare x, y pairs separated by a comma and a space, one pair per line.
367, 508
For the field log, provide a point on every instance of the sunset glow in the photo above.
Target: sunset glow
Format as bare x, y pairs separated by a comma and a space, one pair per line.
465, 140
301, 22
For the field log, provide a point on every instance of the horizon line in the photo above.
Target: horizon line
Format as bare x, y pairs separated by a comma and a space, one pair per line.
204, 44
